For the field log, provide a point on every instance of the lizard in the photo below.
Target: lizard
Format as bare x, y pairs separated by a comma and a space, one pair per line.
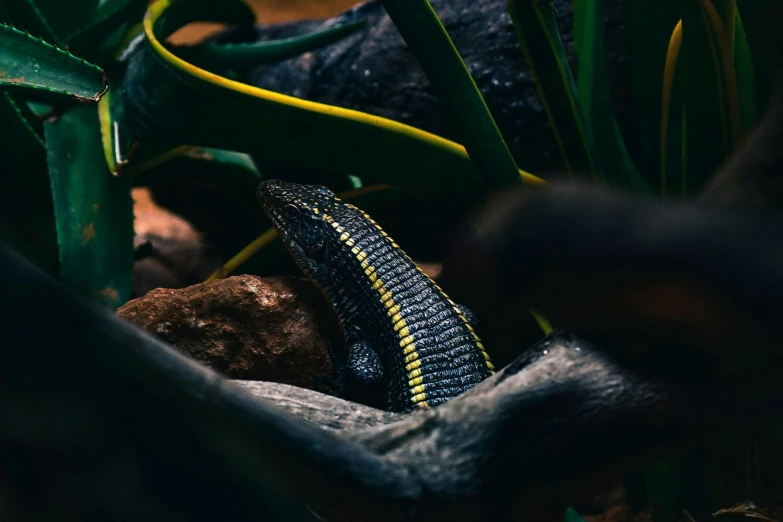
405, 336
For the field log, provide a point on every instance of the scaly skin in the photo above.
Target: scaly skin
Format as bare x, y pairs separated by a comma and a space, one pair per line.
402, 330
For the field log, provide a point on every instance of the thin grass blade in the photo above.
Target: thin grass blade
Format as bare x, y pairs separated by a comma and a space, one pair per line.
595, 95
430, 43
746, 77
672, 57
540, 41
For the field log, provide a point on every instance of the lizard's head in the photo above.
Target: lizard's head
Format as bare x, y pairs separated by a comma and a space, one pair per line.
302, 215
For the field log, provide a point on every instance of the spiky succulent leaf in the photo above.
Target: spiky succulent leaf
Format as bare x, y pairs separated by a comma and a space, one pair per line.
46, 73
93, 209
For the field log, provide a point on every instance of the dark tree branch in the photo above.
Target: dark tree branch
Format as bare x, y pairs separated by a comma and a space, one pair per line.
98, 421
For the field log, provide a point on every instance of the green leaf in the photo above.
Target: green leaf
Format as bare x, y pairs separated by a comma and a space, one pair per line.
65, 18
231, 12
170, 103
235, 160
237, 57
111, 111
230, 173
26, 15
595, 95
28, 206
647, 29
710, 93
572, 516
32, 125
222, 178
668, 93
111, 16
44, 72
540, 41
426, 37
746, 77
721, 17
761, 21
93, 209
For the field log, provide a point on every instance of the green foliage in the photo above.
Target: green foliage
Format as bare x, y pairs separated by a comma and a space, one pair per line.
230, 58
93, 209
572, 516
541, 43
72, 150
427, 38
46, 72
594, 92
164, 100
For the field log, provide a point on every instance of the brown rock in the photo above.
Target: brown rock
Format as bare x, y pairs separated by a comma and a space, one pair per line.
179, 256
246, 327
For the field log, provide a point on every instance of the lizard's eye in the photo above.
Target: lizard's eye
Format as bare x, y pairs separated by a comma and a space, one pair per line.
291, 212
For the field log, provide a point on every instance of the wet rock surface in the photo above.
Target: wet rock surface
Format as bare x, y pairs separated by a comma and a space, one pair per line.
373, 71
246, 327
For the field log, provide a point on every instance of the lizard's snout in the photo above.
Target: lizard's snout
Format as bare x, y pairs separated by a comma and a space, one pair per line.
269, 188
274, 193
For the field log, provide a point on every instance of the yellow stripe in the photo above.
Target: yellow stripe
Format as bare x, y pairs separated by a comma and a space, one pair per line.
400, 326
104, 115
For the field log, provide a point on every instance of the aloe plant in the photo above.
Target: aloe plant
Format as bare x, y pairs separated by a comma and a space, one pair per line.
93, 99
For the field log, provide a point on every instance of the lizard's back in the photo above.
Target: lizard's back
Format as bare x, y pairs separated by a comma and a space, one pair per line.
386, 305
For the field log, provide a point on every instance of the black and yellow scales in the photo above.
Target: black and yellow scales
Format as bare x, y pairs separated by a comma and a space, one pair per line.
403, 332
